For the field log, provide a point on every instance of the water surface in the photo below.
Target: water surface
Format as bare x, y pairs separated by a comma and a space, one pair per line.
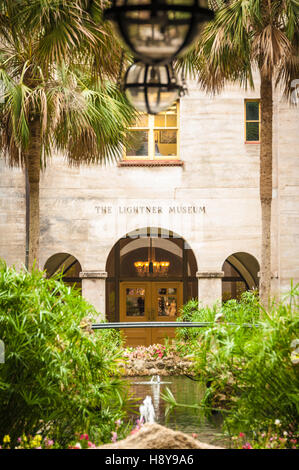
187, 420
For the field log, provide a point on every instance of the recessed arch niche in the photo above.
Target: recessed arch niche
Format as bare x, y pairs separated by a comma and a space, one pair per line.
66, 264
240, 275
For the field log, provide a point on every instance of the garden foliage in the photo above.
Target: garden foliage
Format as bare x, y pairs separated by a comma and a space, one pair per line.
58, 378
249, 371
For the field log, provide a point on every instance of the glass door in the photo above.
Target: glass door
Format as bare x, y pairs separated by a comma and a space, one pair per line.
135, 306
149, 301
167, 298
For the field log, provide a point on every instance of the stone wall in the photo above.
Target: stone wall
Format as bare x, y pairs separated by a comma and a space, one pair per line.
219, 172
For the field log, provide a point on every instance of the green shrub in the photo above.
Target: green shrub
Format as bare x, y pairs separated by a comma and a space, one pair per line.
193, 312
58, 378
266, 383
250, 373
241, 312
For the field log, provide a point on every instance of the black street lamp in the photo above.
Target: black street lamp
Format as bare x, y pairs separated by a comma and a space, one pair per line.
156, 31
152, 88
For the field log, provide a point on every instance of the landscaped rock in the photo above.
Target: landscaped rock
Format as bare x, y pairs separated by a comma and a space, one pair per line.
154, 436
142, 362
161, 366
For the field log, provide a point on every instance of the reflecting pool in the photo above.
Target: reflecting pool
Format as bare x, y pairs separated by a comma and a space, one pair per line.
183, 419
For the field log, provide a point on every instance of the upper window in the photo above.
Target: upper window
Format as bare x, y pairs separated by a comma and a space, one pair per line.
252, 120
155, 137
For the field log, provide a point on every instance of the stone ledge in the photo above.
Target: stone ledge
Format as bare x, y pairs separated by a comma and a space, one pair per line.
150, 163
209, 274
93, 275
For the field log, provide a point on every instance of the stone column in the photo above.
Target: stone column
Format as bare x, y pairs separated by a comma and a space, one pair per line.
209, 287
94, 290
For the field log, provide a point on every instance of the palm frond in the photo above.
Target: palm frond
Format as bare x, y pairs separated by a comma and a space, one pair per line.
245, 35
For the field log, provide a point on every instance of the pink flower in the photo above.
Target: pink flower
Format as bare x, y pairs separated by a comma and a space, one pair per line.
77, 446
91, 445
194, 435
49, 442
247, 446
134, 431
114, 436
84, 436
241, 434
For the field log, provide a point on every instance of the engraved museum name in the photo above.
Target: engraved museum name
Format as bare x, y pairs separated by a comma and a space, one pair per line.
103, 210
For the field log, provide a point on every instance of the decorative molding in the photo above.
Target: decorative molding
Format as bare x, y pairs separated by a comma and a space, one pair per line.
93, 274
150, 163
209, 274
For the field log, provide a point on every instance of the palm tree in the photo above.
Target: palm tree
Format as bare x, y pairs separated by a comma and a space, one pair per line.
248, 35
56, 62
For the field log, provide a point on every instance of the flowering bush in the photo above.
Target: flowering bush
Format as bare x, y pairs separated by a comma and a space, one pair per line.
138, 426
81, 440
28, 442
153, 351
83, 443
274, 438
158, 351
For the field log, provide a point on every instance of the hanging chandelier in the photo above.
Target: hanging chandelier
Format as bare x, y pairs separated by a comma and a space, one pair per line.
151, 266
152, 89
158, 268
156, 31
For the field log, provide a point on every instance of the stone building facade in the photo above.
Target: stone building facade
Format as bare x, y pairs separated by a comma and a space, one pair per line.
207, 196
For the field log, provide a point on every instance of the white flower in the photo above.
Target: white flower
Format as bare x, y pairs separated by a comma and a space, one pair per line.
277, 422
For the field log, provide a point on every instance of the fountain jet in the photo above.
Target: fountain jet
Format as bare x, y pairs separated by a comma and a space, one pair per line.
147, 411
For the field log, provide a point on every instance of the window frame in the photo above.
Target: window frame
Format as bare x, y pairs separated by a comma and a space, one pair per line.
152, 129
254, 100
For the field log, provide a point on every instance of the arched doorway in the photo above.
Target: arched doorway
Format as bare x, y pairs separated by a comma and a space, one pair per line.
240, 274
66, 264
151, 273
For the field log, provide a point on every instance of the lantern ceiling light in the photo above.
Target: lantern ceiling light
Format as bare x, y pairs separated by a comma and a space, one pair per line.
156, 31
151, 88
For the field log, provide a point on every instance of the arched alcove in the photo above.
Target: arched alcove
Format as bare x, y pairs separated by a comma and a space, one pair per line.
66, 264
240, 274
149, 255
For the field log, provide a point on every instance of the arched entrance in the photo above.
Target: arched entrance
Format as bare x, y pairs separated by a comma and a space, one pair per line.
151, 273
66, 264
240, 274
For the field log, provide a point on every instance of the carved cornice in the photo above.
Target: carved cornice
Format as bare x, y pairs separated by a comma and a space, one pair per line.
93, 274
209, 274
